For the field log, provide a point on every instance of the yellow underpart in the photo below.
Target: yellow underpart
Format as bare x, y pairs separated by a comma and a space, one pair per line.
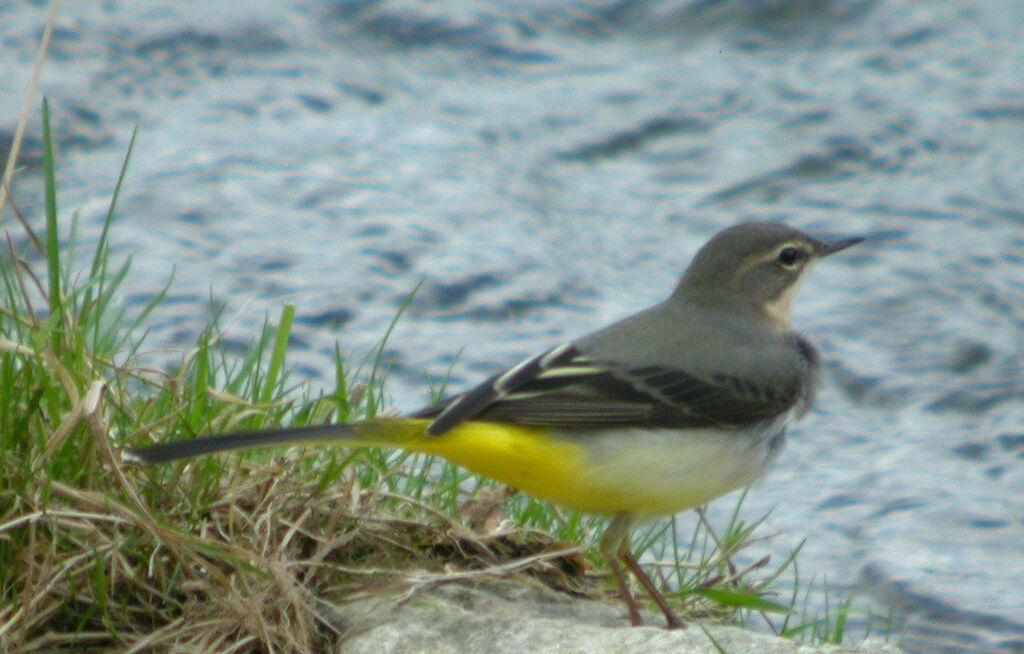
644, 472
525, 458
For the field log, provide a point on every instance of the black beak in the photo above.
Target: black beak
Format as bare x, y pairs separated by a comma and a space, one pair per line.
835, 246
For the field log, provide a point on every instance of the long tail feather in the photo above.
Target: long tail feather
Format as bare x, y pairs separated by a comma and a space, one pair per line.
379, 433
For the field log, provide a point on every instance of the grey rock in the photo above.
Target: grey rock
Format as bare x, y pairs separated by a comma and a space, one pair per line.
517, 616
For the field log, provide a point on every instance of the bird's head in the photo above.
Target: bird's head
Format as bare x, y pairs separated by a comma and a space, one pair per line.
756, 267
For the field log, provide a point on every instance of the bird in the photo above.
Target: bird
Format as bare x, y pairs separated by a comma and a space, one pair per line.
655, 414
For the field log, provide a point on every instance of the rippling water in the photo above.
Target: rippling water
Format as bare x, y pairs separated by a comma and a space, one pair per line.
546, 167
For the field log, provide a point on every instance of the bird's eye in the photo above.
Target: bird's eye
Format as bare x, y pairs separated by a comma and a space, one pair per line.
789, 257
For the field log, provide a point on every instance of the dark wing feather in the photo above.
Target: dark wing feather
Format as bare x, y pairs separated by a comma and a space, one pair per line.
562, 388
722, 400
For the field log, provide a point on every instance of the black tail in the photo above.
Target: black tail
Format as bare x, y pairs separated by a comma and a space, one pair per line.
210, 444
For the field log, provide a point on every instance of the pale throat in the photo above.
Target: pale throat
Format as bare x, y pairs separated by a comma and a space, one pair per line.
780, 309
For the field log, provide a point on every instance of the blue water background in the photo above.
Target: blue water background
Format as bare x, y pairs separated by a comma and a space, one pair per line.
544, 167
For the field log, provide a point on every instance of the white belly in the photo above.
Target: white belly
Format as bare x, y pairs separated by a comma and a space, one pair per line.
661, 472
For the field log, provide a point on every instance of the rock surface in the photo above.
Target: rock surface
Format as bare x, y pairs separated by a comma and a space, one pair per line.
508, 616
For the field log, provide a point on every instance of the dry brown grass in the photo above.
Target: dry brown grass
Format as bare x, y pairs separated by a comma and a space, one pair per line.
252, 571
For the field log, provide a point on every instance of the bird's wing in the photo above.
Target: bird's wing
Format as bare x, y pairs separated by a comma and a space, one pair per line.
563, 388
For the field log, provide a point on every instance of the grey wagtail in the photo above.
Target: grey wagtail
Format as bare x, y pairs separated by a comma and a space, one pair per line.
660, 412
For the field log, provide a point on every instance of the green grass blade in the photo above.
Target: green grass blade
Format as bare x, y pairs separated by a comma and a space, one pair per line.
743, 600
52, 235
376, 374
284, 329
100, 258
